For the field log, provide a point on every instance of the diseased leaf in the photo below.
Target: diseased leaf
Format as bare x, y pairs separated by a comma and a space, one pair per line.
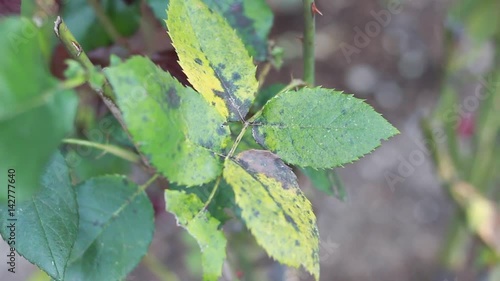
222, 201
47, 225
274, 208
203, 227
115, 230
174, 126
320, 128
34, 114
252, 20
213, 57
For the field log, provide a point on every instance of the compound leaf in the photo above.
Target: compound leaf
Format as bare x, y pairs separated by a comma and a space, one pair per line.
174, 126
213, 57
46, 226
34, 113
330, 130
274, 208
203, 227
115, 230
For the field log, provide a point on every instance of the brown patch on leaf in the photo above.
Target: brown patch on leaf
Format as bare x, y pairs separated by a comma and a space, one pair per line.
269, 164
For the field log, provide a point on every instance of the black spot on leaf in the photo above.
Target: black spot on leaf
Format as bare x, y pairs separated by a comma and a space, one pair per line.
198, 61
221, 131
256, 213
172, 99
267, 163
292, 222
236, 76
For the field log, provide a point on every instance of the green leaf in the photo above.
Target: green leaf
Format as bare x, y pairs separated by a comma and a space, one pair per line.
330, 130
213, 57
252, 20
34, 113
203, 227
81, 19
115, 230
174, 126
274, 208
47, 225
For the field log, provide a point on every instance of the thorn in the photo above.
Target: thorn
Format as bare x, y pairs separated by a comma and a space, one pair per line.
77, 47
315, 10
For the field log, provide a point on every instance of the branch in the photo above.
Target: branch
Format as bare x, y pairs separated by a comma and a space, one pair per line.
106, 92
308, 42
112, 149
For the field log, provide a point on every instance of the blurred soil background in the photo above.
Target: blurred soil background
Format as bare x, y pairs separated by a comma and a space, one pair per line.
388, 228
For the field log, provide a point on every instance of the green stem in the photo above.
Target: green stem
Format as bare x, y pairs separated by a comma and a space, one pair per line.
308, 42
231, 152
211, 196
238, 140
148, 183
77, 53
147, 27
309, 58
69, 41
106, 92
340, 191
106, 22
112, 149
263, 74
